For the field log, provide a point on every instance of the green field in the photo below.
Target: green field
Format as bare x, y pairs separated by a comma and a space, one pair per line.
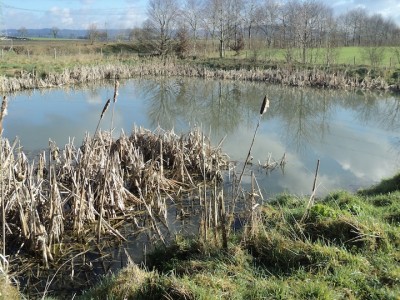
56, 54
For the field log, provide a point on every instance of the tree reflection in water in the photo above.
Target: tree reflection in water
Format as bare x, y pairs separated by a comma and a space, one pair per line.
223, 106
355, 133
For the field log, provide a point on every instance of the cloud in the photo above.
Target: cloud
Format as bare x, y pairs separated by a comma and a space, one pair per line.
60, 17
347, 161
87, 2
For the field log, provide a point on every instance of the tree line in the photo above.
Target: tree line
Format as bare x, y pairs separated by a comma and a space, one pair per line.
293, 25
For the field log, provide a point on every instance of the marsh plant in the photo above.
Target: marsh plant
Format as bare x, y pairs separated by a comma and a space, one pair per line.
61, 196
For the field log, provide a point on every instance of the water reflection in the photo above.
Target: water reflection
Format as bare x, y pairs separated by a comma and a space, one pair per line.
178, 102
354, 134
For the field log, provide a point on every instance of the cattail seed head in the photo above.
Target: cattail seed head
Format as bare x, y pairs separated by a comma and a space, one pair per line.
116, 90
264, 106
105, 108
3, 111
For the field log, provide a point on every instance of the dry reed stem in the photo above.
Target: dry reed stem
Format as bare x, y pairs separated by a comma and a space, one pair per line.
3, 112
264, 107
313, 191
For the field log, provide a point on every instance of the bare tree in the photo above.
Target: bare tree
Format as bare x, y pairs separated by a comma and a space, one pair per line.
183, 44
304, 20
354, 22
54, 31
236, 22
223, 20
162, 17
250, 9
22, 31
214, 21
329, 36
93, 33
268, 17
192, 17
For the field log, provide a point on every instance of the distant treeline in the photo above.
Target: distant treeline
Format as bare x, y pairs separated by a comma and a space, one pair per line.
235, 25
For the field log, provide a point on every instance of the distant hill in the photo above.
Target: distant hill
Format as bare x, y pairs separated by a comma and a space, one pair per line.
63, 33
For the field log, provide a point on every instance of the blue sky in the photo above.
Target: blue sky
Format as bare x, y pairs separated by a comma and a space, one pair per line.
121, 14
73, 14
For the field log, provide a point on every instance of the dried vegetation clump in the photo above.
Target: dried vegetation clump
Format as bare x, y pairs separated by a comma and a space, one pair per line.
72, 189
151, 67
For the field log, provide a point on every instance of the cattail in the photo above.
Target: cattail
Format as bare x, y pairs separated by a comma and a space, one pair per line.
3, 111
264, 106
116, 90
105, 108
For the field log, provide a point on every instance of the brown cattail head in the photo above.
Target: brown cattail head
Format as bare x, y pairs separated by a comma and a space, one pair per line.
116, 90
105, 108
264, 106
3, 111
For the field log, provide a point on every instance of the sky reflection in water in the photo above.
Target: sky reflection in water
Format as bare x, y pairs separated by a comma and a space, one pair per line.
355, 135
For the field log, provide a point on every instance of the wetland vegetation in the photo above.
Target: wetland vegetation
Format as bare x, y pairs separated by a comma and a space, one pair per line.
58, 210
73, 200
48, 225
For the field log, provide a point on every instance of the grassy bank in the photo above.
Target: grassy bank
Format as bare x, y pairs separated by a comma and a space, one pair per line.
246, 71
346, 246
38, 64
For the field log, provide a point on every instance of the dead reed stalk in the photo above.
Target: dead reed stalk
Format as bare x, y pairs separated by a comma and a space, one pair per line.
263, 110
313, 191
3, 112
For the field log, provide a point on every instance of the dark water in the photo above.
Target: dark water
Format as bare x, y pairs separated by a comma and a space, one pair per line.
355, 135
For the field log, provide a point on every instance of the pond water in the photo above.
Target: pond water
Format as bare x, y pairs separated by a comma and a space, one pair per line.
355, 135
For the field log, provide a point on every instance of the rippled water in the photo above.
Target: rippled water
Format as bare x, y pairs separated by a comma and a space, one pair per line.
355, 135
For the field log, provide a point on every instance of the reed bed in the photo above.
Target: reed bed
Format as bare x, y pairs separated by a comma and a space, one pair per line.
66, 191
151, 67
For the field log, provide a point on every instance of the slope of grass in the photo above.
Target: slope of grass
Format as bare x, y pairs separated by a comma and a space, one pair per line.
346, 246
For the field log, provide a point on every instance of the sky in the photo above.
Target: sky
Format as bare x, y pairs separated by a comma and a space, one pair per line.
123, 14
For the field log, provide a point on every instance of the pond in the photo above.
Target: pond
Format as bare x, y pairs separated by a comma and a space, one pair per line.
355, 135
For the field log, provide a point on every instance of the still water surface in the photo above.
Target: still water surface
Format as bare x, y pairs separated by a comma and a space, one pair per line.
355, 135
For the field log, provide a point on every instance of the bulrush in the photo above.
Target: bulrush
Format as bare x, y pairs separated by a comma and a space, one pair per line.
105, 108
116, 91
263, 109
102, 115
3, 112
264, 105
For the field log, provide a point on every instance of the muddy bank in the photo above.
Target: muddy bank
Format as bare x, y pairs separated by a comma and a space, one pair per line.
289, 77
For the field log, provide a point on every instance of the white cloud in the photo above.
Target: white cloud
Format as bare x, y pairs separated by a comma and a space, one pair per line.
87, 2
60, 17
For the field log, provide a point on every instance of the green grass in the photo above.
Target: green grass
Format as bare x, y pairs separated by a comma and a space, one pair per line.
78, 52
351, 56
347, 247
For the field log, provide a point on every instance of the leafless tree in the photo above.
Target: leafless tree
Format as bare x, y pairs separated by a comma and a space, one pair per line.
162, 17
250, 13
191, 14
303, 22
215, 22
223, 20
93, 33
54, 31
268, 18
354, 24
22, 31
